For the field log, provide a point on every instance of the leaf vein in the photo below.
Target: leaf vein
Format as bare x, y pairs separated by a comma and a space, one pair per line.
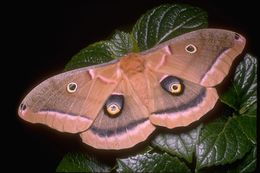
182, 24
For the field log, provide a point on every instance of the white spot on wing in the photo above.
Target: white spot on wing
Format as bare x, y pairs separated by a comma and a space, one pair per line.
190, 48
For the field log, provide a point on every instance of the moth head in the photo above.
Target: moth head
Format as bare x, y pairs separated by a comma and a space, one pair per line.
173, 85
114, 105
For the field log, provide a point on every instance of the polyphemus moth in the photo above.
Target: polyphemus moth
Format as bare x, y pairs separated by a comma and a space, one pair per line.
118, 104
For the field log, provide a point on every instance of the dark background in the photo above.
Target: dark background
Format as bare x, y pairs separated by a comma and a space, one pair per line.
41, 37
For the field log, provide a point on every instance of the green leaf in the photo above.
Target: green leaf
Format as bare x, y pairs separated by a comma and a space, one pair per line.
165, 22
96, 53
247, 164
75, 162
243, 92
247, 123
182, 145
122, 43
242, 96
227, 140
221, 142
151, 162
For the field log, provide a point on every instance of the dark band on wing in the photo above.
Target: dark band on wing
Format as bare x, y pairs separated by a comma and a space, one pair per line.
192, 103
62, 112
102, 132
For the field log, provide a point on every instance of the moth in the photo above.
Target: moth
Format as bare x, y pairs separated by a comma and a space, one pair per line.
118, 104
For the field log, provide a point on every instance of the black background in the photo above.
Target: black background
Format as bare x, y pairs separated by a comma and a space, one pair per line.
41, 37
